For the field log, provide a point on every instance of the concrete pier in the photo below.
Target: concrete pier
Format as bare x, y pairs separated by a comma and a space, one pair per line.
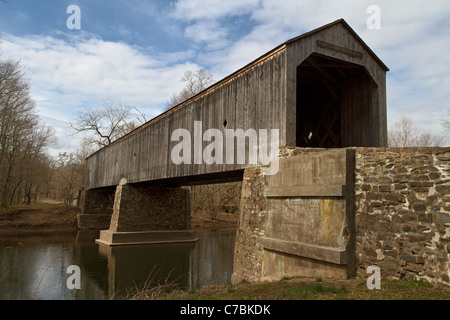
145, 214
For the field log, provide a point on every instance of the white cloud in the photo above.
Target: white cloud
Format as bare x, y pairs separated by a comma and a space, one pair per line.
64, 75
189, 10
210, 32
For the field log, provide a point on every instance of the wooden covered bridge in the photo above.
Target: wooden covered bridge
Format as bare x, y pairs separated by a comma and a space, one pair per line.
323, 89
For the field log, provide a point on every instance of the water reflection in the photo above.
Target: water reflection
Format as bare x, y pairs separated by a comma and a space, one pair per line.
34, 267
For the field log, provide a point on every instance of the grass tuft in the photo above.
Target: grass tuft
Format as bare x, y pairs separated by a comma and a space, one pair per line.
316, 289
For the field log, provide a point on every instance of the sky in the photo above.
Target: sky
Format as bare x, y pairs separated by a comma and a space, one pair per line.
136, 51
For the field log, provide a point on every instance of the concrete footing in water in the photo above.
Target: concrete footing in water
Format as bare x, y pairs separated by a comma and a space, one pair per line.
111, 238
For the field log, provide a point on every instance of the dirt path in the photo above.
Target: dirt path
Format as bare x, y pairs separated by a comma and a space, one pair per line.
50, 202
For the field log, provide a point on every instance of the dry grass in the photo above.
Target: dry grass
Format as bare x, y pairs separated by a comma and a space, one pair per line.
151, 289
307, 289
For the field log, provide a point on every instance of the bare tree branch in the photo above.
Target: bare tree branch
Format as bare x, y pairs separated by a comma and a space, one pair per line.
405, 133
196, 82
108, 124
68, 177
446, 122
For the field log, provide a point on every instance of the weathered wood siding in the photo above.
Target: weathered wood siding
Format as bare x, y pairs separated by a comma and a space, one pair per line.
254, 98
261, 95
359, 116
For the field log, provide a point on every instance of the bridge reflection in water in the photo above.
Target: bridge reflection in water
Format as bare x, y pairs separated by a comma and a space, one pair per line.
35, 267
190, 265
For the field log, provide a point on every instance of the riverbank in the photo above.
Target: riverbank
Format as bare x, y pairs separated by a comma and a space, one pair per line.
50, 217
38, 218
304, 289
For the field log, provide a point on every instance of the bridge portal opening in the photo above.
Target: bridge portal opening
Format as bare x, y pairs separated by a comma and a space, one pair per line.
335, 100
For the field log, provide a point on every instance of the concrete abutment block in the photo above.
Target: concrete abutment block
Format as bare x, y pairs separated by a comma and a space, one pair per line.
302, 224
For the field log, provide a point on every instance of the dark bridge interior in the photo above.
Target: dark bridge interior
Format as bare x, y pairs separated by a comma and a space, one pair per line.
326, 93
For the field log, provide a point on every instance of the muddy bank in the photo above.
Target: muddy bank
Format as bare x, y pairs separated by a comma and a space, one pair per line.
53, 218
41, 218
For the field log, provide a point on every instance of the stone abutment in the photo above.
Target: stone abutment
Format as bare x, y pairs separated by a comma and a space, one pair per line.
333, 213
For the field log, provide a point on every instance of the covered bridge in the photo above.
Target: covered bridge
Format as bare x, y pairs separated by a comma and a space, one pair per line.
323, 89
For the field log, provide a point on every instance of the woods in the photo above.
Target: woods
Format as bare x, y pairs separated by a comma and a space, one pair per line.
27, 171
23, 161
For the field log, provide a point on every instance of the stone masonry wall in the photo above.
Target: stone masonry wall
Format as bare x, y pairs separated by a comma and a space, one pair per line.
403, 212
150, 208
249, 250
98, 201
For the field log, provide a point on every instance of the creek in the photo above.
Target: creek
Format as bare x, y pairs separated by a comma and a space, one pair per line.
34, 267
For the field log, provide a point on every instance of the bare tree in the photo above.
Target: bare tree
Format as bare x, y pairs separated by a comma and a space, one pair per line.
446, 122
68, 176
426, 139
107, 124
195, 83
37, 178
84, 150
405, 133
215, 198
